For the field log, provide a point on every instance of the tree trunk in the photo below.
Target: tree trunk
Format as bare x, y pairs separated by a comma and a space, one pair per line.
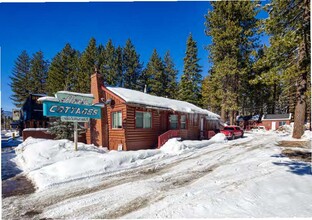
300, 111
223, 114
299, 119
231, 117
274, 98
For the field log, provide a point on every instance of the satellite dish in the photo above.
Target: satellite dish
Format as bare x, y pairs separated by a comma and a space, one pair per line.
108, 101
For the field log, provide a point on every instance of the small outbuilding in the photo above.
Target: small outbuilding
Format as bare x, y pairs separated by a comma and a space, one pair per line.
133, 120
273, 121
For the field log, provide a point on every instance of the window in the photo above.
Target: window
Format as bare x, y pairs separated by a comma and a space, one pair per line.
228, 129
117, 119
143, 120
173, 119
183, 121
281, 123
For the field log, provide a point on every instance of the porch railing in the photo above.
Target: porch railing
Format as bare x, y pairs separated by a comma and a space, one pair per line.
163, 138
210, 134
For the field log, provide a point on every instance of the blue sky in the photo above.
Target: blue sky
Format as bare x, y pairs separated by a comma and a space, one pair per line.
49, 26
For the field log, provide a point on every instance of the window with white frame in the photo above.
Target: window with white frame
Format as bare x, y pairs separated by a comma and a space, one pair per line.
183, 121
117, 119
143, 120
281, 123
173, 119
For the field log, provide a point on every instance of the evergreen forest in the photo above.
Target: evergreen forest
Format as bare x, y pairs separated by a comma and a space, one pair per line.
245, 78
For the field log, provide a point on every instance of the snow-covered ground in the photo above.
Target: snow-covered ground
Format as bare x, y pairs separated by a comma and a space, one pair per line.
9, 133
247, 177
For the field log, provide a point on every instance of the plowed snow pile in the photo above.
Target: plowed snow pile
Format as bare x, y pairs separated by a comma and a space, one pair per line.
50, 162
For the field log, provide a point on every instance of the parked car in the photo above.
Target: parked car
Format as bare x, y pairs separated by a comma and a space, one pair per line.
232, 132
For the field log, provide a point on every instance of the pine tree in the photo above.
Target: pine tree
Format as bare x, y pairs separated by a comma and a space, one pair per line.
64, 130
119, 66
155, 75
63, 71
211, 93
131, 67
101, 57
232, 26
171, 77
20, 79
108, 69
265, 91
38, 73
190, 84
88, 61
289, 51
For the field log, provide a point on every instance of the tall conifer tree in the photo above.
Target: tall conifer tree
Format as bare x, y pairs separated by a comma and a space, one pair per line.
101, 57
171, 77
63, 71
131, 67
211, 93
190, 84
88, 62
20, 79
108, 68
289, 52
38, 73
119, 66
232, 26
155, 75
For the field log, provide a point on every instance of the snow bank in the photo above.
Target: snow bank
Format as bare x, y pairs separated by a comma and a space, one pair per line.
49, 162
9, 133
89, 165
307, 135
35, 153
174, 146
287, 136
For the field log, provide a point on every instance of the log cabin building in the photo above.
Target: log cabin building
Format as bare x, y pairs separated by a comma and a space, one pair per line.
32, 113
133, 120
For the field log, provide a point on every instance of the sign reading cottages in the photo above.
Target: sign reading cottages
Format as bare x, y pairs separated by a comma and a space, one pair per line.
71, 106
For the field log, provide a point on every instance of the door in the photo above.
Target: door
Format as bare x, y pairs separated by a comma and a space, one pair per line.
273, 125
201, 128
163, 122
201, 124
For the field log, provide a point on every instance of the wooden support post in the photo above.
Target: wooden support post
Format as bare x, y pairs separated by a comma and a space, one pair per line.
75, 135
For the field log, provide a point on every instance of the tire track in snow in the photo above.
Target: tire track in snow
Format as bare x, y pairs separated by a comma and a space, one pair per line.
172, 183
149, 171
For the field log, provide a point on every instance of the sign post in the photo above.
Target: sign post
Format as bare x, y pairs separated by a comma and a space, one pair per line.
75, 135
71, 107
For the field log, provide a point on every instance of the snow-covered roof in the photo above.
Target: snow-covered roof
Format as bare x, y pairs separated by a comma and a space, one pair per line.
277, 116
48, 98
137, 97
76, 93
39, 94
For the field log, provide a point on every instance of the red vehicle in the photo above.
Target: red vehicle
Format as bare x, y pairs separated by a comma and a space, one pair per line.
232, 132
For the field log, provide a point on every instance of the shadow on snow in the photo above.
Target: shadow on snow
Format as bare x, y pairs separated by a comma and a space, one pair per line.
299, 168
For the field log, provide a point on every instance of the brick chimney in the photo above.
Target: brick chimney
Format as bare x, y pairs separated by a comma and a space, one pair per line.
98, 133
